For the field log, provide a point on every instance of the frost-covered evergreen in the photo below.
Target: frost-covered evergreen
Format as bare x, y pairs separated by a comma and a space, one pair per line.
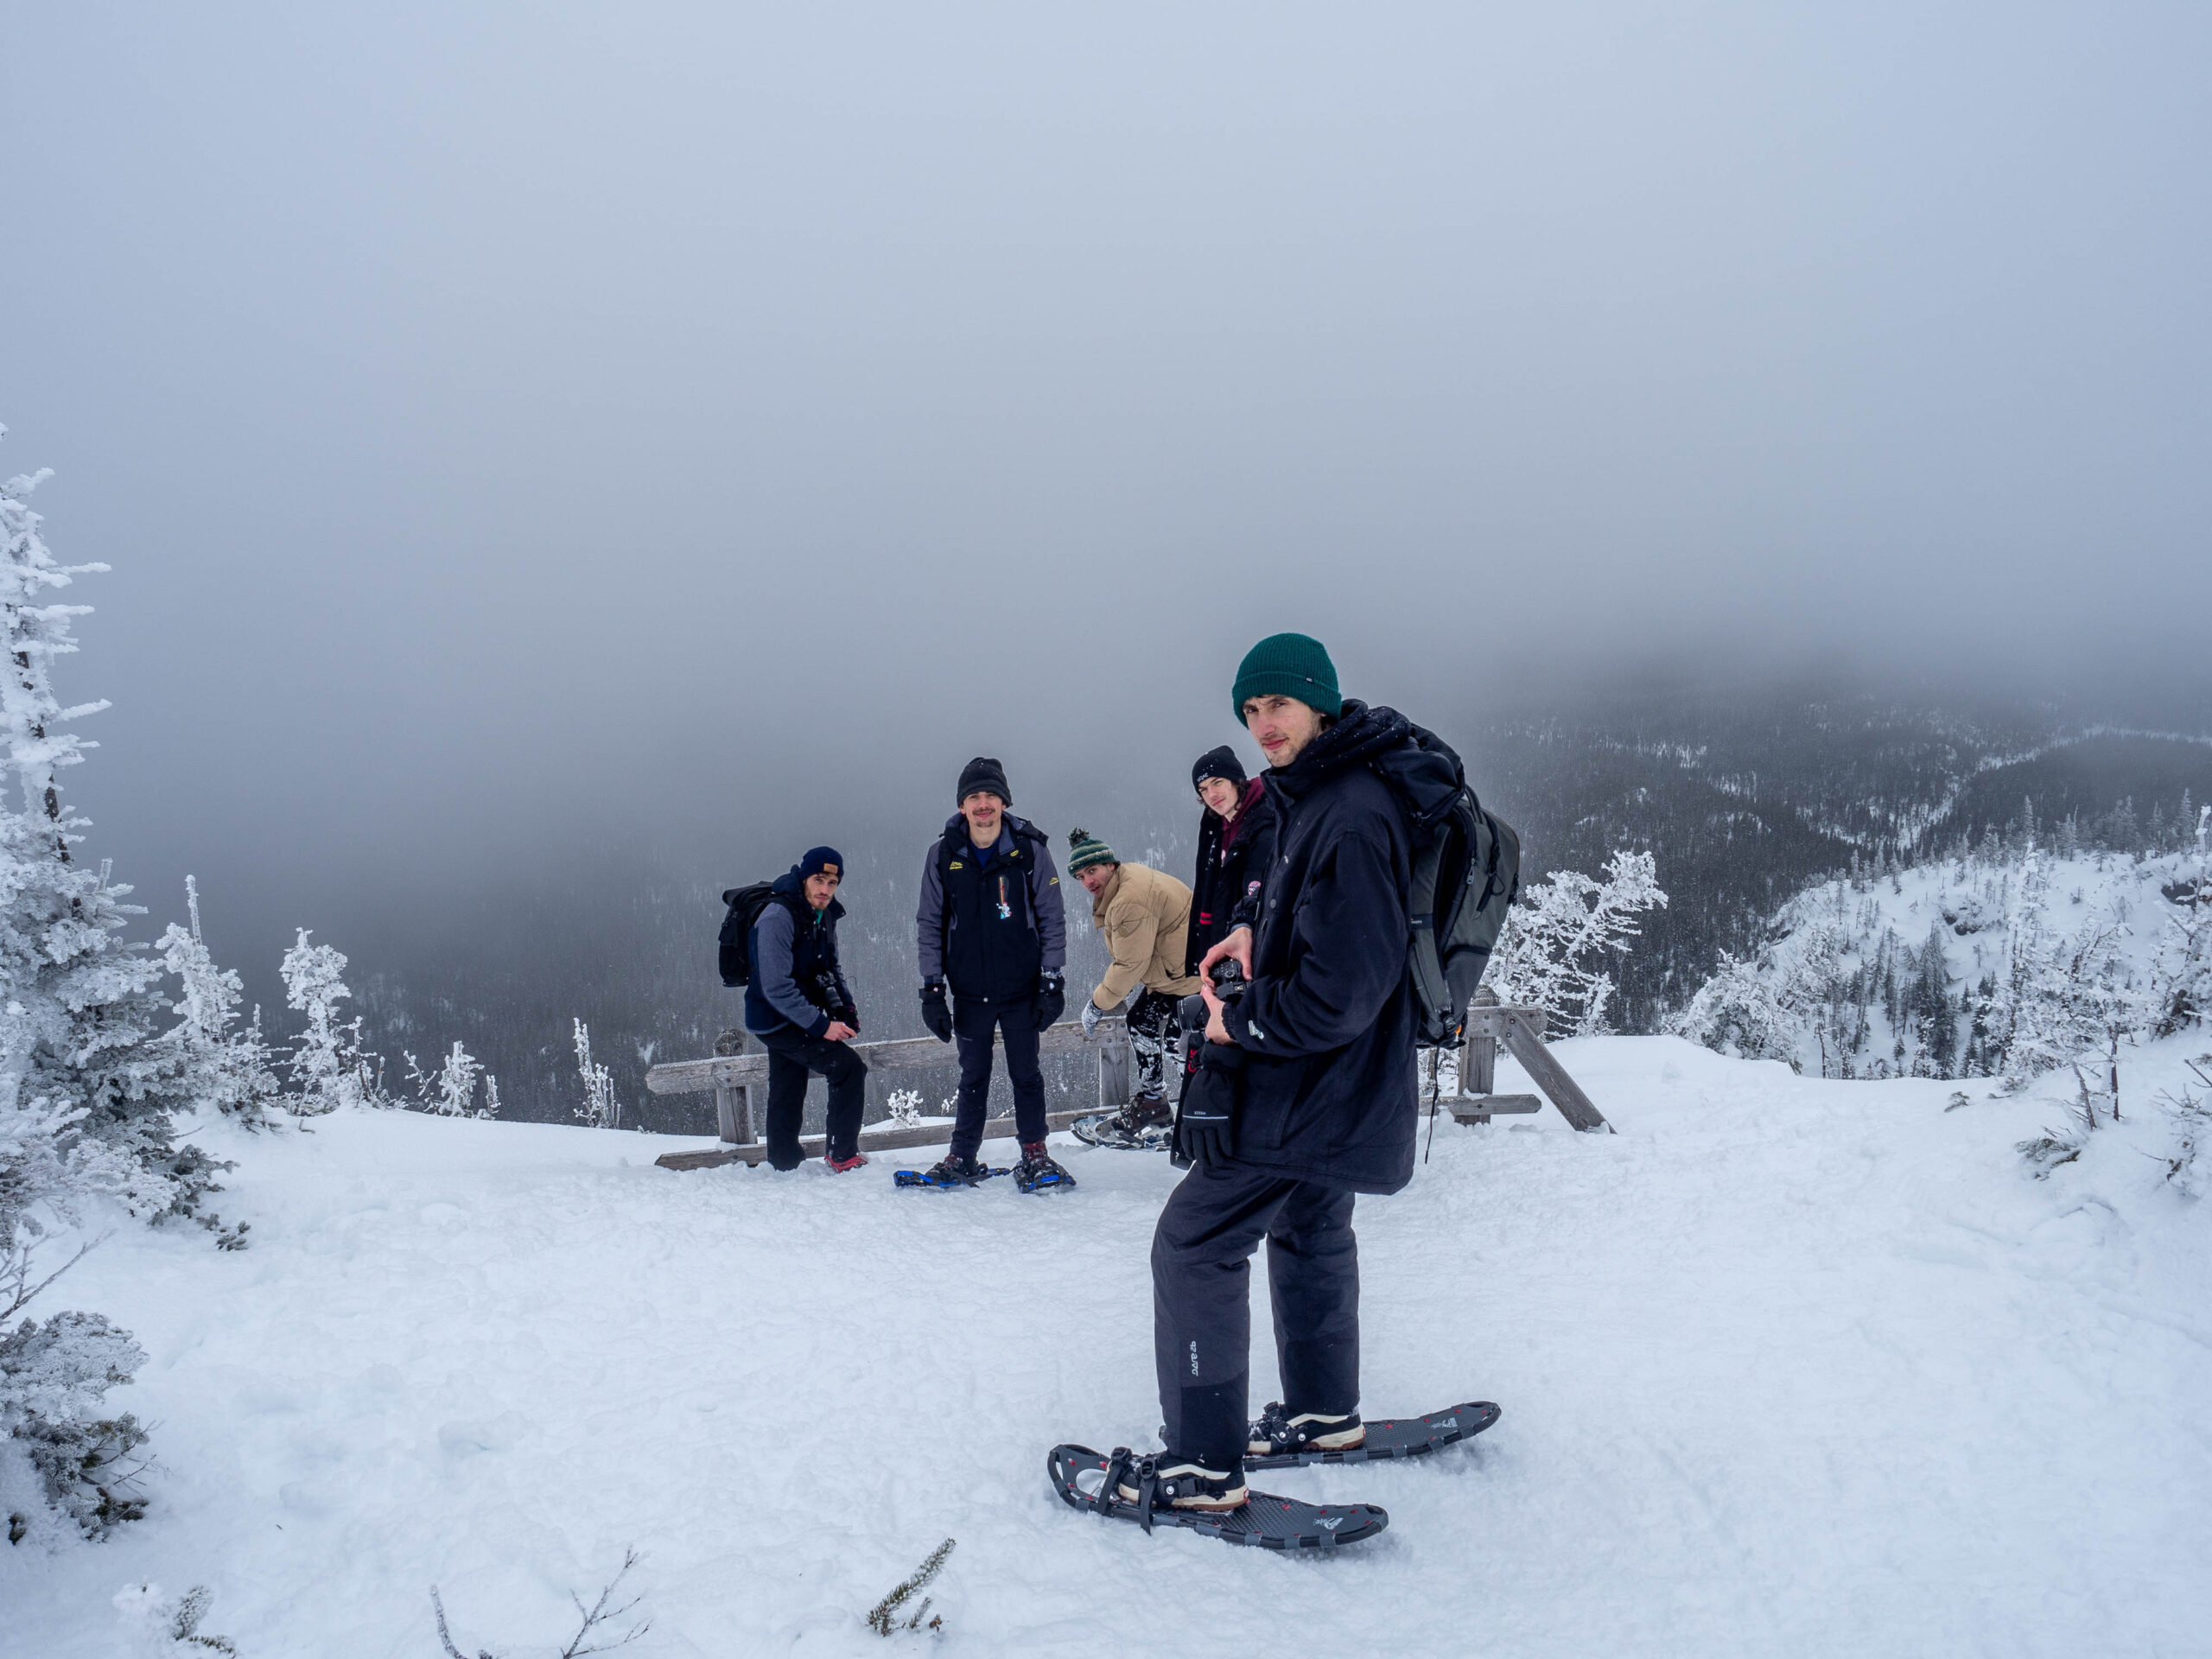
327, 1066
1561, 933
229, 1071
81, 1015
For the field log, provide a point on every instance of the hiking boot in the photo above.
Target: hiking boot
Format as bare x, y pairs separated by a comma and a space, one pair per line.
1145, 1124
1278, 1432
1039, 1169
839, 1166
1167, 1481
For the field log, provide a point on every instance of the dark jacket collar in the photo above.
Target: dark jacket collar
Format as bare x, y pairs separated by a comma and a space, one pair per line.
1359, 734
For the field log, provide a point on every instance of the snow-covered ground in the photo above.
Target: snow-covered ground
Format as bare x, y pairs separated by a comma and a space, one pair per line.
1788, 1367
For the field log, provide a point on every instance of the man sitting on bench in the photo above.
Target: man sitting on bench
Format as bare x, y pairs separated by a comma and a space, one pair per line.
796, 1003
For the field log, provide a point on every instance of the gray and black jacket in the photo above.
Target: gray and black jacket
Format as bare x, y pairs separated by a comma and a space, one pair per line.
796, 980
988, 925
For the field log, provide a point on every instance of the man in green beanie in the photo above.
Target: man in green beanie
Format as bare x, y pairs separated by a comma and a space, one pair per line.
1304, 1094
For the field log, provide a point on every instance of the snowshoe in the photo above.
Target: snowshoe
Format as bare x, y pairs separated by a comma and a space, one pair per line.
947, 1173
1039, 1172
1140, 1126
1286, 1444
1095, 1481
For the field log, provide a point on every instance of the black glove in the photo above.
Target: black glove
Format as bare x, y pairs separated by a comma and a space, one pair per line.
1205, 1129
934, 1014
1051, 999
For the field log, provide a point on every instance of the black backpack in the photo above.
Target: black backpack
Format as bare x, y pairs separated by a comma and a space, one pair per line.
745, 904
1466, 874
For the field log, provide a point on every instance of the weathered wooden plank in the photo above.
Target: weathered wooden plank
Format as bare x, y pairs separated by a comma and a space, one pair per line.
1488, 1019
1478, 1064
1550, 1076
1479, 1108
692, 1077
882, 1138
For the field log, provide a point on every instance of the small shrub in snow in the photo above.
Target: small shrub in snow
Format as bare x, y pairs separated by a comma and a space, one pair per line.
599, 1106
163, 1628
53, 1380
883, 1617
596, 1621
2191, 1116
327, 1066
452, 1092
906, 1107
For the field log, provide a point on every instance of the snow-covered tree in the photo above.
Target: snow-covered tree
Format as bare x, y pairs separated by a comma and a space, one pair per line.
598, 1108
1740, 1011
327, 1065
1561, 934
78, 1010
229, 1071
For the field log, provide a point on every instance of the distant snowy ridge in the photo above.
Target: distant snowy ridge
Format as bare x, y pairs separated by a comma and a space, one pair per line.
2007, 960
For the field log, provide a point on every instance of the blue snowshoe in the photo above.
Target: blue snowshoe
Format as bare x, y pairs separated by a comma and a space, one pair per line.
946, 1174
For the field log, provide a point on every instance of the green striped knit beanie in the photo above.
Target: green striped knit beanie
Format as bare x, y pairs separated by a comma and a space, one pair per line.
1289, 665
1085, 850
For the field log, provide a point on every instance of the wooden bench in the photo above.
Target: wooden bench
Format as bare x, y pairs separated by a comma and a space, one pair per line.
735, 1078
1522, 1030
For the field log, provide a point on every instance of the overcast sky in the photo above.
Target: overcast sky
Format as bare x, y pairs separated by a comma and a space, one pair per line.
509, 424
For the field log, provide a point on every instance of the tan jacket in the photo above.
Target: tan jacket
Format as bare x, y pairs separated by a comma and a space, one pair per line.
1146, 917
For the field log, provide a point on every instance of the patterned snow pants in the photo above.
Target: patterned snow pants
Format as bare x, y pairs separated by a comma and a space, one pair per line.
1155, 1032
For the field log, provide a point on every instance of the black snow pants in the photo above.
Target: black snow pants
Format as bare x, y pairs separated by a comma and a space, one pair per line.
1202, 1307
791, 1055
972, 1024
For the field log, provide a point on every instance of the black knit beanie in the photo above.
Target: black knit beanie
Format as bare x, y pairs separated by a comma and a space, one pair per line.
981, 773
1219, 763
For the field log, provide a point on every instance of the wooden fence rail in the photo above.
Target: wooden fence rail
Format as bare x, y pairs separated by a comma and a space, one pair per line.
734, 1078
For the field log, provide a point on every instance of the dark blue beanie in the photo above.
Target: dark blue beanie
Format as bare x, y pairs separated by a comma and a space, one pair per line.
818, 859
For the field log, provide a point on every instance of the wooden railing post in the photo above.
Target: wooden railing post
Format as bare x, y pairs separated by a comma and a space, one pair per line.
734, 1113
1480, 1075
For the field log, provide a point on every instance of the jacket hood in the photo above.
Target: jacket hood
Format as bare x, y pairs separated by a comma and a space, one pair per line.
1359, 735
1254, 791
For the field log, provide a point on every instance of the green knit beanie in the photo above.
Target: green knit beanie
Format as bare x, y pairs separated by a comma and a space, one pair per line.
1085, 850
1288, 665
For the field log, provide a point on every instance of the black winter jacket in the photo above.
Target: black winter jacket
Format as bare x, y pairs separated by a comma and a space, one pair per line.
1233, 859
1328, 1023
